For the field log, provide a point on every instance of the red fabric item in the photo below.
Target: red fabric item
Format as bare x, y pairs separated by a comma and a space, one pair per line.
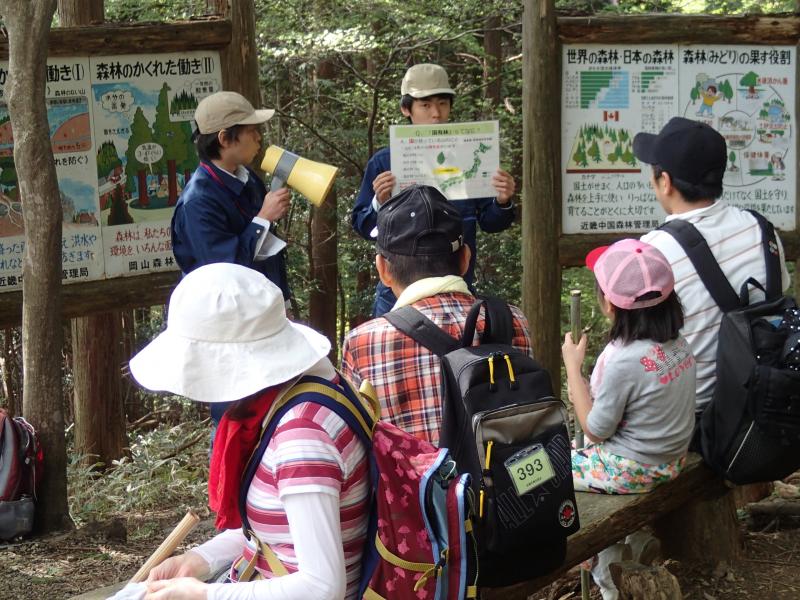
234, 442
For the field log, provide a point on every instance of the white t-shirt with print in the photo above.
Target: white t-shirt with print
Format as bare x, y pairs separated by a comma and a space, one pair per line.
643, 399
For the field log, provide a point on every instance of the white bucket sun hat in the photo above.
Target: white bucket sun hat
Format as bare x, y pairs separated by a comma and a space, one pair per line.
227, 338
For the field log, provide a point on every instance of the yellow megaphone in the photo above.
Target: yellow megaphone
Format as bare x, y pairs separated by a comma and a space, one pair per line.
312, 179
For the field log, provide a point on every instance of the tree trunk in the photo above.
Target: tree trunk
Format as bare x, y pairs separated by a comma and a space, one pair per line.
322, 299
365, 285
73, 13
541, 185
493, 63
96, 339
322, 296
131, 401
99, 416
366, 278
28, 25
239, 60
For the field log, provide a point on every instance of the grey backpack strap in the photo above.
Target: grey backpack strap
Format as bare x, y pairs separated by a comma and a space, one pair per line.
422, 330
769, 243
707, 267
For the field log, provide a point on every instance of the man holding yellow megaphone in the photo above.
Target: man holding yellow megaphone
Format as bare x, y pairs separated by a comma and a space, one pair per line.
312, 179
225, 213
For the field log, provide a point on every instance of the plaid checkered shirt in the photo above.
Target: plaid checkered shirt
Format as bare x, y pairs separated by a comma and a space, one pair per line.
406, 376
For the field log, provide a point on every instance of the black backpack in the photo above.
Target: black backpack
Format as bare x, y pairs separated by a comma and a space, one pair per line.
750, 431
505, 428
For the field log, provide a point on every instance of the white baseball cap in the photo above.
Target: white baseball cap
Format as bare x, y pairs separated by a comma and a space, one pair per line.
222, 110
425, 79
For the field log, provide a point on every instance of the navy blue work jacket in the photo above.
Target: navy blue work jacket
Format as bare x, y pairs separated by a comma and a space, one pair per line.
213, 222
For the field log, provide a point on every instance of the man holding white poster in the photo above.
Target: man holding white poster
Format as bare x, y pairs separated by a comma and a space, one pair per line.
463, 170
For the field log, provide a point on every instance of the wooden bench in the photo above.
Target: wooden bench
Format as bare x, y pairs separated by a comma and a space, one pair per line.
608, 518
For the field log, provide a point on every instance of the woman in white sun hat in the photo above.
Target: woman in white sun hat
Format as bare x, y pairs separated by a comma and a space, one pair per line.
228, 338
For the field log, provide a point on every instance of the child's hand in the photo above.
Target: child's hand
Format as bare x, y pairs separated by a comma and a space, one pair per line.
573, 353
275, 205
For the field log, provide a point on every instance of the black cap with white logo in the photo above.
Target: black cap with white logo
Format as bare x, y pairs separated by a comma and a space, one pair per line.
419, 221
688, 150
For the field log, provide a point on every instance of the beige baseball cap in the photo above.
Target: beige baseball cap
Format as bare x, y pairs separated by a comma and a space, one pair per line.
225, 109
425, 79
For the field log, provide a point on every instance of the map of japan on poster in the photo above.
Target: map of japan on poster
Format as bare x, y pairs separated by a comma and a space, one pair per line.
457, 158
121, 133
610, 93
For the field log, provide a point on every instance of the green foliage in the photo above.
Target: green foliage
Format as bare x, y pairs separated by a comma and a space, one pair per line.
153, 10
147, 480
332, 70
598, 326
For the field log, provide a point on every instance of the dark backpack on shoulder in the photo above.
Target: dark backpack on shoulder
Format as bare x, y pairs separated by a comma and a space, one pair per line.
750, 431
503, 426
20, 471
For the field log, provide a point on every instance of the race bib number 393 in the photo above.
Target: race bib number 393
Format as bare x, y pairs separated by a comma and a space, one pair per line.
529, 469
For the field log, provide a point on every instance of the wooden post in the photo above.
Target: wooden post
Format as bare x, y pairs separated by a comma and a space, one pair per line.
797, 163
80, 12
639, 582
27, 26
703, 532
541, 189
239, 61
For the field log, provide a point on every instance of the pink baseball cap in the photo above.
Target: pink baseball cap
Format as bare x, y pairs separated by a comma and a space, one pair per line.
631, 274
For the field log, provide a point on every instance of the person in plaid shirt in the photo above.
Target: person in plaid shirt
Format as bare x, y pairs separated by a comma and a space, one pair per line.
421, 256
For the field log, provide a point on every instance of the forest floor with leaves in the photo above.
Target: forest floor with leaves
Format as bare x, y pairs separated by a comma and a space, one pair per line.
125, 514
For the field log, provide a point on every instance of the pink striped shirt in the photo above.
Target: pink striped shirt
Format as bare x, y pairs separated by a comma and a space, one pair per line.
312, 451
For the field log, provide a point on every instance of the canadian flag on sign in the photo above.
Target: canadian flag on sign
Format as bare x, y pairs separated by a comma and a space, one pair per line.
611, 115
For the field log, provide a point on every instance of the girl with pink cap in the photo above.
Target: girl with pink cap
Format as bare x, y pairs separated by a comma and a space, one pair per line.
638, 410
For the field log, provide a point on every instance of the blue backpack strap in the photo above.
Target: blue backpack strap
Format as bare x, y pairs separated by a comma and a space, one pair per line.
769, 243
707, 267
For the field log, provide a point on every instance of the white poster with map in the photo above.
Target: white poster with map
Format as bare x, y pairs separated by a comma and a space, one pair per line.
611, 93
69, 113
457, 158
143, 110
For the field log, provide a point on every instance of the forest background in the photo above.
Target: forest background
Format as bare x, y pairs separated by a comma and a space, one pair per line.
332, 71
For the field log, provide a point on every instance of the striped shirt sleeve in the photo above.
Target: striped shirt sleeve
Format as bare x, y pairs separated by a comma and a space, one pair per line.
304, 459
